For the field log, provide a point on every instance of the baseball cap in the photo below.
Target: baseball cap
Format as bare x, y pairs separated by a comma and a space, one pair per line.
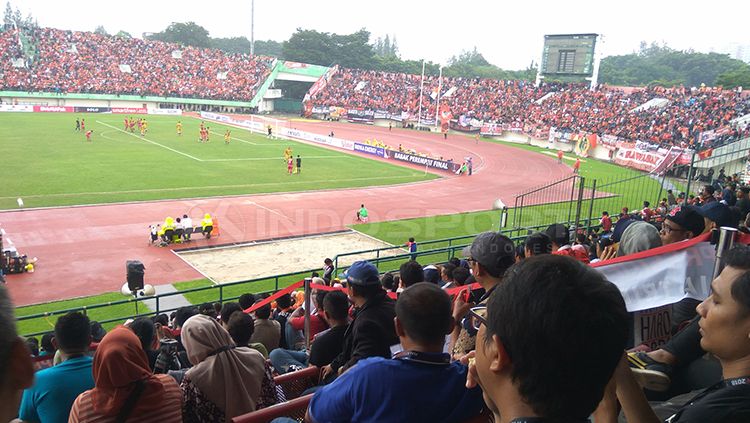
718, 213
431, 274
494, 251
688, 218
362, 273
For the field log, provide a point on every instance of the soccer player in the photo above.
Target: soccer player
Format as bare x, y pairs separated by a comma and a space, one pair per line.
78, 125
132, 124
208, 130
144, 125
83, 124
270, 132
179, 128
290, 165
227, 136
88, 135
127, 124
299, 164
577, 166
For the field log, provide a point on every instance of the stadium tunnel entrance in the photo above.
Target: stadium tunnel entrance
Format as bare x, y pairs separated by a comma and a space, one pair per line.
287, 86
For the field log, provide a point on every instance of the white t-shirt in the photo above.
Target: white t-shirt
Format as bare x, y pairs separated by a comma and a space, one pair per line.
187, 222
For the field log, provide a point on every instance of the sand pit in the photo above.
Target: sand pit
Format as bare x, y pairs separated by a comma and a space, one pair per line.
263, 259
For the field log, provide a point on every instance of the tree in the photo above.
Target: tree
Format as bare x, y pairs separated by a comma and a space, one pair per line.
268, 48
188, 34
232, 45
739, 77
8, 15
123, 34
100, 30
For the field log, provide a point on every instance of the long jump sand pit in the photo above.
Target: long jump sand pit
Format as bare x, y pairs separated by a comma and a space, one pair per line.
274, 257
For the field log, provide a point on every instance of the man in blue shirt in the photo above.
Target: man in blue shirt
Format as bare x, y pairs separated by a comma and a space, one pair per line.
420, 384
55, 388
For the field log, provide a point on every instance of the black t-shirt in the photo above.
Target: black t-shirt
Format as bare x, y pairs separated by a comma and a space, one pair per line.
299, 161
327, 346
726, 402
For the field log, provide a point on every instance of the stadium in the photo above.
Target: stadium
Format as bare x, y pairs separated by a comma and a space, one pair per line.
243, 230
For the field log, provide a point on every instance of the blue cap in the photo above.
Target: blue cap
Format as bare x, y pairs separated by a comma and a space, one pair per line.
718, 213
362, 273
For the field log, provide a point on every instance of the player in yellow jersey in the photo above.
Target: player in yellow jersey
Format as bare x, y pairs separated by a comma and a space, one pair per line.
227, 136
144, 125
179, 128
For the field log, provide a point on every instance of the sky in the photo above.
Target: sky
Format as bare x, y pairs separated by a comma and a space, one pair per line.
508, 33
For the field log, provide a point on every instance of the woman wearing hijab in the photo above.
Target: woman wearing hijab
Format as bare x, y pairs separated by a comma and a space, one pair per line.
125, 390
224, 381
639, 236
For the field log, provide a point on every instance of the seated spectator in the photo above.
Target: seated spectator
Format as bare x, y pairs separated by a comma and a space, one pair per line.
227, 310
680, 224
224, 381
16, 370
639, 236
423, 319
267, 331
724, 332
246, 301
294, 331
55, 388
281, 314
125, 389
145, 329
537, 243
33, 345
431, 274
461, 275
524, 361
47, 347
371, 333
489, 256
387, 281
326, 345
207, 309
446, 276
241, 327
410, 272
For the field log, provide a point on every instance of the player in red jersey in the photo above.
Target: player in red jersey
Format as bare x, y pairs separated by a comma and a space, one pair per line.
290, 165
127, 124
83, 124
88, 135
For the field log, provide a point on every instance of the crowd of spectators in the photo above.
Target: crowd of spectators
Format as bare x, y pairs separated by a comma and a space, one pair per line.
567, 107
85, 62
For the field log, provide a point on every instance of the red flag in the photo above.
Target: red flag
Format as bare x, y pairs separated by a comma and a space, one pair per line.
703, 155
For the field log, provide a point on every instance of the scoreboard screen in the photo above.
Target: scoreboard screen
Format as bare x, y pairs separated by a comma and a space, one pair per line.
568, 54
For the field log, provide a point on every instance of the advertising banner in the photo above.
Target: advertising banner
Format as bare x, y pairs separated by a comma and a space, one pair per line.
80, 109
369, 149
170, 112
425, 161
54, 109
130, 110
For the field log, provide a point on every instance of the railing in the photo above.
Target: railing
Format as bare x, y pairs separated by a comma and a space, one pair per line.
435, 255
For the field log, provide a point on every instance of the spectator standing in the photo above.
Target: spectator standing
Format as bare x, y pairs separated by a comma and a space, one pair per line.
423, 318
743, 202
328, 271
606, 223
412, 246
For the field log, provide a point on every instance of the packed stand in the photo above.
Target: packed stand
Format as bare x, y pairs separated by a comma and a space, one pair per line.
568, 107
85, 62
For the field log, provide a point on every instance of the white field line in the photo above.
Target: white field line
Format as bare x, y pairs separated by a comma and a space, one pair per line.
152, 142
268, 158
193, 188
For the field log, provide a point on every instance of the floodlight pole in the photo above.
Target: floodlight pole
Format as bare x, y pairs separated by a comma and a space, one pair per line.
421, 91
252, 27
437, 106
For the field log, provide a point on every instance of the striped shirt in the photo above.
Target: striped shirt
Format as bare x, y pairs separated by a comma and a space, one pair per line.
170, 410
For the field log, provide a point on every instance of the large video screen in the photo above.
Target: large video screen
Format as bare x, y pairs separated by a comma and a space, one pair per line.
568, 54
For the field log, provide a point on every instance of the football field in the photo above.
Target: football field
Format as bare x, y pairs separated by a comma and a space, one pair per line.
46, 162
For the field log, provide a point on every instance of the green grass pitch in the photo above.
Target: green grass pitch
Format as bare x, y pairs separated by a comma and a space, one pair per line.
47, 163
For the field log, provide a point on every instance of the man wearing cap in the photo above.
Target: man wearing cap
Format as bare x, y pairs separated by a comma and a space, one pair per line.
371, 333
489, 256
680, 224
715, 215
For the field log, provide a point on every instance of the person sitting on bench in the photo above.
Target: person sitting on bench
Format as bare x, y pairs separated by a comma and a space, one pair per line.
207, 225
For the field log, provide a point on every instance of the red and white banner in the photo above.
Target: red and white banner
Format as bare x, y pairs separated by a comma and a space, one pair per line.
639, 159
130, 110
54, 109
663, 275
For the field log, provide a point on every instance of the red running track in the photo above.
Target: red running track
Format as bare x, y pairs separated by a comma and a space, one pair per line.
82, 250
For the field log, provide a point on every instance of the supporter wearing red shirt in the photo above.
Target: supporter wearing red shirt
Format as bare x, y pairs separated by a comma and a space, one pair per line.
317, 321
606, 222
647, 213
